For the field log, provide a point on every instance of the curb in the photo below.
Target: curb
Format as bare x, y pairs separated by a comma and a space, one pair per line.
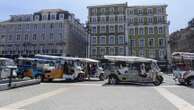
19, 84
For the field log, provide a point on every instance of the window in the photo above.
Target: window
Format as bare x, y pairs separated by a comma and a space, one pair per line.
61, 16
133, 42
103, 10
60, 36
121, 51
111, 39
150, 11
111, 10
102, 51
131, 31
103, 29
120, 18
151, 42
94, 51
18, 37
112, 28
37, 17
10, 37
142, 43
130, 21
94, 29
34, 37
94, 11
111, 51
130, 11
140, 11
103, 19
121, 39
141, 53
35, 26
162, 53
120, 9
51, 36
160, 30
151, 30
102, 39
161, 42
44, 17
51, 25
53, 16
94, 40
159, 10
111, 19
150, 19
121, 28
141, 20
152, 53
160, 19
94, 20
26, 37
43, 36
141, 31
19, 27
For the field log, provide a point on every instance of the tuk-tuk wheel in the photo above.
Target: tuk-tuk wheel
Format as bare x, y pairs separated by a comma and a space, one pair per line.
101, 77
112, 80
190, 81
157, 82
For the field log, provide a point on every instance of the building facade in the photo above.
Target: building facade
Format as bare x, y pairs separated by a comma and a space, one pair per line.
50, 31
147, 29
107, 33
182, 40
120, 29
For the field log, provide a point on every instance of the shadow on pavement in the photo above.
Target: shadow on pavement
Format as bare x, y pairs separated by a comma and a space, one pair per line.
129, 84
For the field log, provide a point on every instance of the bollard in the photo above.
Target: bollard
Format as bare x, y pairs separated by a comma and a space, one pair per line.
10, 77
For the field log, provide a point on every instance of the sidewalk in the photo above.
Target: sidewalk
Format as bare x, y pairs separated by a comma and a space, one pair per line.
4, 84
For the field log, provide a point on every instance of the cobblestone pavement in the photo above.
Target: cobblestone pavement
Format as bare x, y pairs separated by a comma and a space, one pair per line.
97, 95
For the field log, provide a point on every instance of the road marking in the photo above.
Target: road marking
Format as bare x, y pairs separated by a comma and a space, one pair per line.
170, 86
20, 104
175, 100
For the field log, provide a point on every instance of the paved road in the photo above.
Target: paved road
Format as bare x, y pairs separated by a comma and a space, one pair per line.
96, 95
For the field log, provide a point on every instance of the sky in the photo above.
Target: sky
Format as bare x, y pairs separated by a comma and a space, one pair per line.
179, 11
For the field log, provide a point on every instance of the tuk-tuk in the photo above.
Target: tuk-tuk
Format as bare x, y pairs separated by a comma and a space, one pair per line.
66, 68
133, 69
32, 67
183, 68
6, 65
92, 68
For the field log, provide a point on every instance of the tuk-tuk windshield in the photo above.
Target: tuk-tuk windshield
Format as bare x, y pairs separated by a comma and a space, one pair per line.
7, 63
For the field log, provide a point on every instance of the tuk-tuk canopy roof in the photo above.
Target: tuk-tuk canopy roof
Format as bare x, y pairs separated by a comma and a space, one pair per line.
183, 55
89, 60
5, 59
32, 59
50, 57
130, 59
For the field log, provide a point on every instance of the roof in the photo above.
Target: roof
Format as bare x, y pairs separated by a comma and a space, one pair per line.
184, 55
131, 59
50, 10
147, 6
108, 5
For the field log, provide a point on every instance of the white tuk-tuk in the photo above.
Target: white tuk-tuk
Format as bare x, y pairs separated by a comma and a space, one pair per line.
92, 68
6, 65
133, 69
183, 67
